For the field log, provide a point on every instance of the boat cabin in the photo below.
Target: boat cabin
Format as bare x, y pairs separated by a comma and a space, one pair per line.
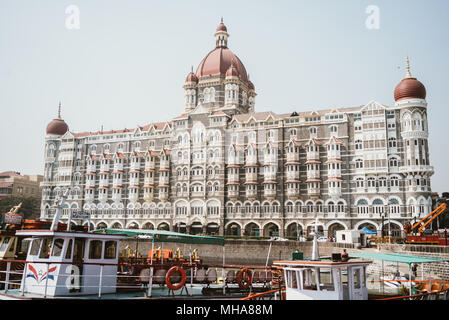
325, 279
67, 263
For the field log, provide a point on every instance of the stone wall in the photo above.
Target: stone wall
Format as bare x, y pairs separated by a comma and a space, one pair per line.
248, 252
254, 252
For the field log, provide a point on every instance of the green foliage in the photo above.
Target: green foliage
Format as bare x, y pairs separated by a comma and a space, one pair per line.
30, 208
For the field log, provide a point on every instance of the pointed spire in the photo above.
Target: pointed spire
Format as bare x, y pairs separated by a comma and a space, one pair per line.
407, 65
59, 110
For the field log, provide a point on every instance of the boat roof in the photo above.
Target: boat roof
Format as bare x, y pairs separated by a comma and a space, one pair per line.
51, 233
325, 263
393, 257
164, 236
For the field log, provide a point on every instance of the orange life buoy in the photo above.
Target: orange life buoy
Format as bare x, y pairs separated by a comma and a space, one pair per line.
240, 278
180, 284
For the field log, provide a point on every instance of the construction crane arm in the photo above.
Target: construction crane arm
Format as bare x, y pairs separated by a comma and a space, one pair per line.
441, 208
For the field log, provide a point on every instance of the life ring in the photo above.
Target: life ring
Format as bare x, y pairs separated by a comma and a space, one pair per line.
180, 284
240, 278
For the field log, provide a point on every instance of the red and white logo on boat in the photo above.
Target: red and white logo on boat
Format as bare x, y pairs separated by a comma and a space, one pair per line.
40, 275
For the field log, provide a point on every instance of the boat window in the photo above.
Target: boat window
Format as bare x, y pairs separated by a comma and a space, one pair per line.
57, 247
344, 276
78, 251
110, 249
327, 280
11, 248
309, 280
4, 244
356, 278
68, 253
364, 277
35, 247
95, 249
45, 248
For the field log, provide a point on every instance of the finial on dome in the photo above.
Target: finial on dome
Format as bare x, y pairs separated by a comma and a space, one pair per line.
407, 62
59, 110
221, 35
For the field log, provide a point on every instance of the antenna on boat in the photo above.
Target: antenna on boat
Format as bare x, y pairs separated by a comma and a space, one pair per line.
315, 253
54, 225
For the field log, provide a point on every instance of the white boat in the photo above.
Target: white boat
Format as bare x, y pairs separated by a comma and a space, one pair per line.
396, 281
84, 265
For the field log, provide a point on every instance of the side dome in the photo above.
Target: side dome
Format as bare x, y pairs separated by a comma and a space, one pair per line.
191, 77
57, 126
409, 88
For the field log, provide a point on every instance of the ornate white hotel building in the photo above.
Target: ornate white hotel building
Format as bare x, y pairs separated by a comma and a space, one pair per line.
223, 168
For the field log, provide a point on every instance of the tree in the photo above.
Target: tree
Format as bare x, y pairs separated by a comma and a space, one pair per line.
30, 208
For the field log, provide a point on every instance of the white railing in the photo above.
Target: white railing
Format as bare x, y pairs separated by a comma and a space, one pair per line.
15, 279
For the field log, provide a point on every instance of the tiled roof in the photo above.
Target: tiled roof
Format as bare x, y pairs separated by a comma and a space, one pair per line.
157, 125
11, 174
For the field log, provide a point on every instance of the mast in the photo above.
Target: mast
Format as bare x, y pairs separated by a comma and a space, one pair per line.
315, 253
54, 225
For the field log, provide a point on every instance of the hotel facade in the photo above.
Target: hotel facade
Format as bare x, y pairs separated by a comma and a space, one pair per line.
222, 168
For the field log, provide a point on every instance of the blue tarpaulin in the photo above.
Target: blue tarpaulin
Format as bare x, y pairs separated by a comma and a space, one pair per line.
368, 231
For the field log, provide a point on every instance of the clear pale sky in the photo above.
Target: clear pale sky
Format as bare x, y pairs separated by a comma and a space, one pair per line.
127, 63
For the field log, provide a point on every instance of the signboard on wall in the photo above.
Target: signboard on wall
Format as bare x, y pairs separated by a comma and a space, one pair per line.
12, 218
80, 215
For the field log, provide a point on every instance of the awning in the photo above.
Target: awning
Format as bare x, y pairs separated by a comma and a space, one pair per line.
402, 258
165, 236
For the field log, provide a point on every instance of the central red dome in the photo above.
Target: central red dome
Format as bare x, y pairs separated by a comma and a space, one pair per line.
218, 61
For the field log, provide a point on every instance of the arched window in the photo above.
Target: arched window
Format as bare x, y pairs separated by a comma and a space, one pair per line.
394, 206
358, 145
359, 163
393, 162
360, 182
362, 206
394, 182
333, 129
371, 181
378, 206
392, 142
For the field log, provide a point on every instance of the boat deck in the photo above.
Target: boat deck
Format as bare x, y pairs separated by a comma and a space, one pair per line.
193, 292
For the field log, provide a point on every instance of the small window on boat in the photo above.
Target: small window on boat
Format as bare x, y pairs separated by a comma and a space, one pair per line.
326, 280
11, 248
45, 248
292, 276
110, 249
68, 253
309, 280
95, 249
57, 247
4, 244
35, 247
